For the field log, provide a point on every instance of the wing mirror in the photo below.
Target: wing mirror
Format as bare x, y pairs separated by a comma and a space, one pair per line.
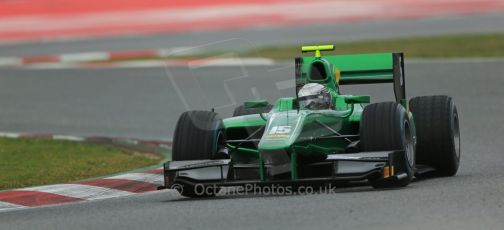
357, 99
255, 104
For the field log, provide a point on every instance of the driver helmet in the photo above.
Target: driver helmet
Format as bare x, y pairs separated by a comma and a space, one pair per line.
314, 96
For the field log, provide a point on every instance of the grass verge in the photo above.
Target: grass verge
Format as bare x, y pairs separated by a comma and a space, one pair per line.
453, 46
28, 162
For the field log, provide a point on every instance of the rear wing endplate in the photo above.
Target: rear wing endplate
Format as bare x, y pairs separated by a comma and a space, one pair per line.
366, 69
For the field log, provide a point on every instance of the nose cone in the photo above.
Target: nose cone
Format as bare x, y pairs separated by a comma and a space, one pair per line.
282, 130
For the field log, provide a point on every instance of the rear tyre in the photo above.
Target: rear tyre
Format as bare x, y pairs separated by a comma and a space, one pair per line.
241, 110
198, 136
385, 127
438, 133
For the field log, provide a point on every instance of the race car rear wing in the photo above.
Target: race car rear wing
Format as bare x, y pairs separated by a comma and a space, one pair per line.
362, 69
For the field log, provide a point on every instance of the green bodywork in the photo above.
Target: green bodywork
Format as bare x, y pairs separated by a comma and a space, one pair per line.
297, 133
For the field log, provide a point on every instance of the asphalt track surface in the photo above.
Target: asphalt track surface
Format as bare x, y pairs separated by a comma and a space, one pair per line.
144, 102
252, 38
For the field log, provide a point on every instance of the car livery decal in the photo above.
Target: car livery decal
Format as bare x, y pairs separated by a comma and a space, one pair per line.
280, 132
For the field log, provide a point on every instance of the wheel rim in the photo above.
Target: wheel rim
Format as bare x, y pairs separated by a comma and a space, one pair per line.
410, 146
456, 134
219, 143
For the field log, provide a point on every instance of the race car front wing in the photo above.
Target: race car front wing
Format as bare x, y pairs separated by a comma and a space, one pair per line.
384, 165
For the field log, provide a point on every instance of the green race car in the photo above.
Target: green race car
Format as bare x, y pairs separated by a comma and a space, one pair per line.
319, 136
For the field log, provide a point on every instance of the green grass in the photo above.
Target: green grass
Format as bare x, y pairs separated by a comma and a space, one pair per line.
454, 46
28, 162
459, 46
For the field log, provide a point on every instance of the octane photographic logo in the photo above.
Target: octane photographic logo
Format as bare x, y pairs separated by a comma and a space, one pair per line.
264, 190
178, 187
203, 84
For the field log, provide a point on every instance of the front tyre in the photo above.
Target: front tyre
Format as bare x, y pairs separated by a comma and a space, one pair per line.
198, 135
438, 133
385, 127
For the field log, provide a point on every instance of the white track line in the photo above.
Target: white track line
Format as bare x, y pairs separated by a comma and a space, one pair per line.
50, 66
85, 57
220, 62
144, 177
8, 206
232, 62
68, 138
227, 62
86, 192
11, 135
11, 62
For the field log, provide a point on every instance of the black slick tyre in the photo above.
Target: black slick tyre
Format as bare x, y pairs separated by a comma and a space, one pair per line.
198, 136
438, 133
385, 127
